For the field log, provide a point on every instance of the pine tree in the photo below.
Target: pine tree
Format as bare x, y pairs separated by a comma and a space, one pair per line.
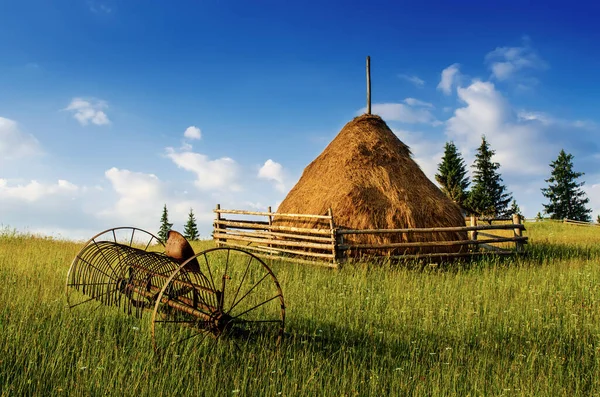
598, 219
514, 209
165, 226
538, 217
567, 200
191, 229
488, 196
452, 175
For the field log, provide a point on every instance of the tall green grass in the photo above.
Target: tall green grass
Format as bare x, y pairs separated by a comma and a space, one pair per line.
524, 326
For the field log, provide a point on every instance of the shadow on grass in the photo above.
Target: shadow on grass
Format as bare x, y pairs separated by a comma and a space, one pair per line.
536, 254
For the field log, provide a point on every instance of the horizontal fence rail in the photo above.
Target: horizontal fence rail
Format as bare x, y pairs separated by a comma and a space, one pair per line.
272, 236
579, 223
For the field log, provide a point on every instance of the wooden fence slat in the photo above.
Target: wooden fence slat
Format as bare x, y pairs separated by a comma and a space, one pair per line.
301, 244
493, 248
483, 219
295, 260
267, 234
302, 253
489, 235
430, 243
273, 214
433, 229
265, 226
579, 223
280, 250
448, 255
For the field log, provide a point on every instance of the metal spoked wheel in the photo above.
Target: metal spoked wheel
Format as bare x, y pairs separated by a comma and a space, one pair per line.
235, 297
105, 265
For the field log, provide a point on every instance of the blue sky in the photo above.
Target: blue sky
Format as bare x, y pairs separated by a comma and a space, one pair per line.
96, 98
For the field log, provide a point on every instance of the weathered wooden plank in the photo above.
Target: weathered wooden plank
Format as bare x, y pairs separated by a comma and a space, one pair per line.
298, 260
489, 235
273, 214
432, 229
265, 226
302, 244
448, 255
429, 243
493, 248
267, 234
280, 250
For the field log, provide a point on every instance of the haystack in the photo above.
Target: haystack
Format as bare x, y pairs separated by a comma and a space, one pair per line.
368, 178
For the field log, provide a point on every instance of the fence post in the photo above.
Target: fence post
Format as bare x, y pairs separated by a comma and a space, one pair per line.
217, 228
333, 237
516, 219
270, 231
474, 232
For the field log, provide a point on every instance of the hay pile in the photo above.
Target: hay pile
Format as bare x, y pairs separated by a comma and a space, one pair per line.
368, 178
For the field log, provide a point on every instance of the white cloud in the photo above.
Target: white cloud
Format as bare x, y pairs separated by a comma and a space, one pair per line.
193, 132
14, 143
416, 102
134, 185
402, 113
505, 62
219, 174
273, 171
412, 79
450, 77
34, 191
89, 111
140, 198
548, 120
488, 113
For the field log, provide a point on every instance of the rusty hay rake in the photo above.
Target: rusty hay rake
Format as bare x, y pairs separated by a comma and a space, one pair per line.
217, 293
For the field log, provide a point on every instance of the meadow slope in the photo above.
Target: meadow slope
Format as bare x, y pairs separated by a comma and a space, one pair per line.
527, 326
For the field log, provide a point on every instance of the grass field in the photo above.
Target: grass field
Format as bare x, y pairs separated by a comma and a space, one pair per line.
526, 326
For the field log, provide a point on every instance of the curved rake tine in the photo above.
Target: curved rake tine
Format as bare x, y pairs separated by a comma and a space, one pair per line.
98, 269
94, 297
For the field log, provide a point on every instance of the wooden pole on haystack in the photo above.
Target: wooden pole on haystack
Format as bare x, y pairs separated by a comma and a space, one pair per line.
368, 85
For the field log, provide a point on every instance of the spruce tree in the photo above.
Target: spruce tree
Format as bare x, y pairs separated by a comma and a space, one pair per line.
452, 175
165, 226
567, 200
538, 217
514, 209
598, 219
191, 229
488, 196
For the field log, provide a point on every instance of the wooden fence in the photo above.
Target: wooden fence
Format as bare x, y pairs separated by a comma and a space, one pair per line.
579, 223
313, 245
328, 245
